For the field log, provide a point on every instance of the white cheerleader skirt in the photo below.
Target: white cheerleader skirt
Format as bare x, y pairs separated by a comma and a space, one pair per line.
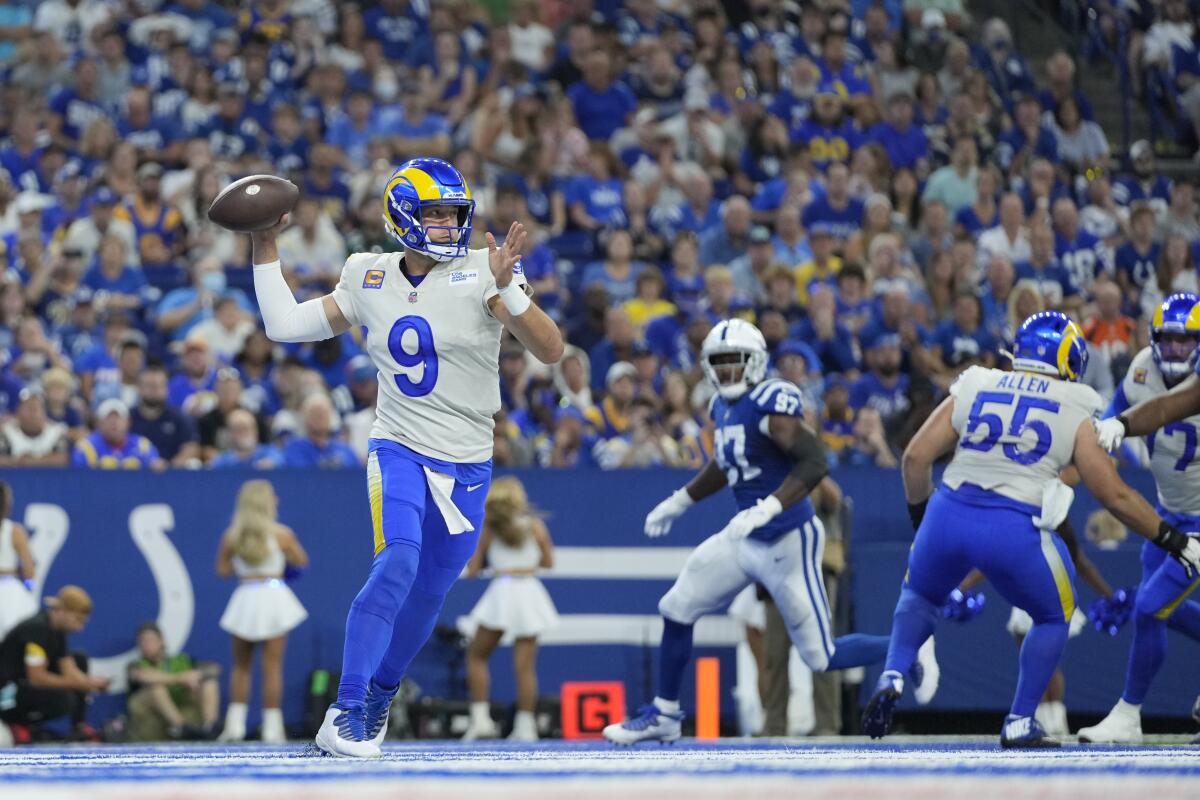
17, 603
260, 610
518, 605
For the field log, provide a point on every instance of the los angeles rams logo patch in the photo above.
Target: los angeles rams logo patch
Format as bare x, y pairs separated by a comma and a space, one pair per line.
373, 279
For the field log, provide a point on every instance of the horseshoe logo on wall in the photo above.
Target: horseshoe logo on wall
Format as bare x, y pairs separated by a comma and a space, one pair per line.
148, 527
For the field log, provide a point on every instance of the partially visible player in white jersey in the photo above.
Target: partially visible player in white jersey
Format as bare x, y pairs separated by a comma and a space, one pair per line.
1162, 597
433, 315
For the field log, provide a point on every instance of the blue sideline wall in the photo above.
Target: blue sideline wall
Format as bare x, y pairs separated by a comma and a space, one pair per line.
585, 509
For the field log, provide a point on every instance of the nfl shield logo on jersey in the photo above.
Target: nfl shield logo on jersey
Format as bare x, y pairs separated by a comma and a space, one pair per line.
412, 297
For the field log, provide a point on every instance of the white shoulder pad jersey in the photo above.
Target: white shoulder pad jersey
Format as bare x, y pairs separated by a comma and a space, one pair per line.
1173, 448
1016, 430
437, 349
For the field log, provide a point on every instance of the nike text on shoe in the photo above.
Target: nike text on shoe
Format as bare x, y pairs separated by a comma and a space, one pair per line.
925, 674
1025, 733
342, 734
1123, 725
375, 712
877, 716
650, 725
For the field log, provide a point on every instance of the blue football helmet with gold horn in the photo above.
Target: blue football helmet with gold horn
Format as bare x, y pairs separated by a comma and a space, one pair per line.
1050, 343
421, 183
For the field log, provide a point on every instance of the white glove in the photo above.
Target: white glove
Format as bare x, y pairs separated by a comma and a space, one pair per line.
756, 516
1056, 502
1110, 432
658, 521
1190, 557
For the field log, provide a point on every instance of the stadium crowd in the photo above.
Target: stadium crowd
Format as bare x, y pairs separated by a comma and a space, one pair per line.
881, 186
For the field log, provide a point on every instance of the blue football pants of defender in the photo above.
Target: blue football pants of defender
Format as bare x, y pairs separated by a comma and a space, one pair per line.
1030, 568
415, 501
1161, 603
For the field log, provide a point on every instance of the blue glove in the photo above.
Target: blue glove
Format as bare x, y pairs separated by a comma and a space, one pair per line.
1109, 614
291, 573
963, 607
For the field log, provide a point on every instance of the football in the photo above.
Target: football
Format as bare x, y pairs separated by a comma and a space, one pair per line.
253, 203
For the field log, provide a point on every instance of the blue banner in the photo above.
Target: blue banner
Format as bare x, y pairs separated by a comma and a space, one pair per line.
144, 545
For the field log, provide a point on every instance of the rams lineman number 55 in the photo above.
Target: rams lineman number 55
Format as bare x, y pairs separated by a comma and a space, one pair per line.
434, 316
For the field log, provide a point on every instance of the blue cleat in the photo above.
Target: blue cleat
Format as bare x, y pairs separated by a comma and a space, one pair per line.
1024, 733
375, 712
650, 725
877, 716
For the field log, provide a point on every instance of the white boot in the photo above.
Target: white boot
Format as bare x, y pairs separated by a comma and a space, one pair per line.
235, 723
1123, 725
524, 728
272, 726
1053, 717
481, 725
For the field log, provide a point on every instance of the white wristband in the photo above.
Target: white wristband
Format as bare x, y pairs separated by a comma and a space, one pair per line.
269, 265
515, 299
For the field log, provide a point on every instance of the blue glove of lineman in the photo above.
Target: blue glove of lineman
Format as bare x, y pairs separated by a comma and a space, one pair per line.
963, 606
1109, 614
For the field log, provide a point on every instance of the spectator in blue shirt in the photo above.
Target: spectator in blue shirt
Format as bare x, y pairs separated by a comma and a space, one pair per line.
114, 283
883, 387
1027, 139
245, 449
172, 432
112, 446
318, 447
596, 200
1137, 259
155, 138
231, 133
197, 376
413, 128
828, 137
732, 239
73, 109
398, 24
182, 309
602, 105
905, 143
994, 296
963, 340
618, 272
1145, 183
1054, 281
354, 130
1084, 255
837, 213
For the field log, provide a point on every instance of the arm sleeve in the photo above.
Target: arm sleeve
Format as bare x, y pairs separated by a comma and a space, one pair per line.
286, 320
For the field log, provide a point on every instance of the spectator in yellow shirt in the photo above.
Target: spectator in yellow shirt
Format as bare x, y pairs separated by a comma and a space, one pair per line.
648, 304
823, 268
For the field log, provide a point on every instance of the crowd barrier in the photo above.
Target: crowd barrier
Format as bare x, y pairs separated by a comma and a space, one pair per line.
144, 545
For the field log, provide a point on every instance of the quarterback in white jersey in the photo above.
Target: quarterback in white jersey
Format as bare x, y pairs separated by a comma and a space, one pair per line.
1162, 599
1011, 433
434, 316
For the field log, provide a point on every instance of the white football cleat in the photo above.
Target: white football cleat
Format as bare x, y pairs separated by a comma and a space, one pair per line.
1123, 725
650, 725
342, 734
931, 673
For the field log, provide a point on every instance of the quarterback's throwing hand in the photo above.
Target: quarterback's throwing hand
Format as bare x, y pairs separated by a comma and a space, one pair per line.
746, 520
502, 259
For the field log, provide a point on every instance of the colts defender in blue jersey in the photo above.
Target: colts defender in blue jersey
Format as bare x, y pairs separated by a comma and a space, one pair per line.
1011, 433
771, 460
1162, 597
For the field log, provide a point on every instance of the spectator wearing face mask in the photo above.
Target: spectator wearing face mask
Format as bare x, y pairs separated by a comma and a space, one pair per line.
184, 308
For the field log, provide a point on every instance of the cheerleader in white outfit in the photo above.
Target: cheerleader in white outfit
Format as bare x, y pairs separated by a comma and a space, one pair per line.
17, 603
263, 608
514, 543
